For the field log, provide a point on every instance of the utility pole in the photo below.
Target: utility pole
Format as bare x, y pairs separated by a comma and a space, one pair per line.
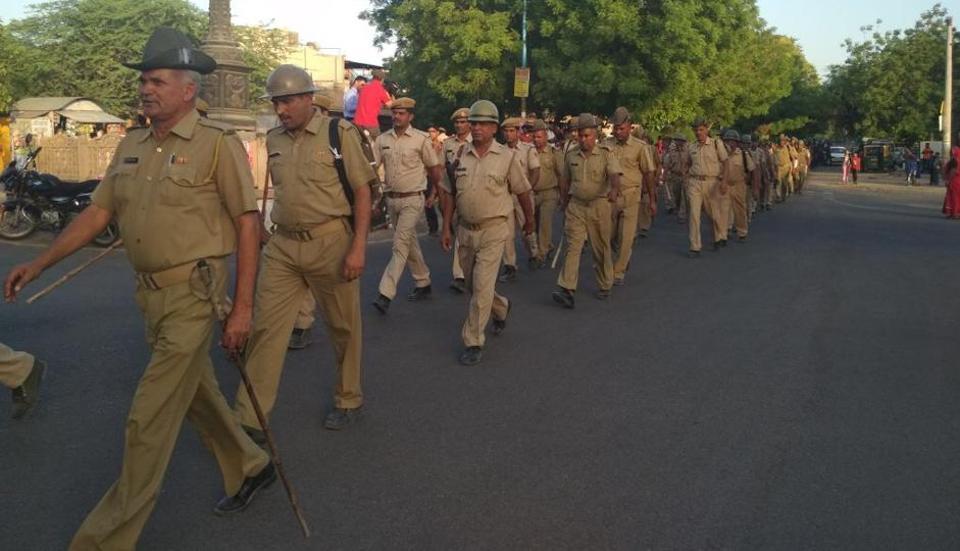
523, 59
948, 94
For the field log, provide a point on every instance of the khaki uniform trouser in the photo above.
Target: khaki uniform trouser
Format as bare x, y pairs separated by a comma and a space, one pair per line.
679, 195
515, 219
704, 196
625, 226
306, 315
801, 177
288, 269
457, 268
14, 366
178, 382
545, 205
480, 253
644, 220
406, 211
784, 183
738, 200
585, 220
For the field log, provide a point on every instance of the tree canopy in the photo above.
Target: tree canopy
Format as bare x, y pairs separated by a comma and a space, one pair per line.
73, 48
891, 85
668, 61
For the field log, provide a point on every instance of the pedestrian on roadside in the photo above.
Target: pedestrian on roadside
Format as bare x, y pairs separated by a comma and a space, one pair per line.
855, 162
910, 166
372, 98
936, 167
351, 97
845, 168
951, 176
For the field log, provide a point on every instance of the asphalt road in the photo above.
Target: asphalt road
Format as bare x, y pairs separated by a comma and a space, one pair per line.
798, 391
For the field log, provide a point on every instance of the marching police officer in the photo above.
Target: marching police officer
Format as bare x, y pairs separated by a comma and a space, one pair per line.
451, 146
530, 161
314, 246
409, 161
589, 185
637, 166
546, 191
183, 195
486, 174
739, 170
705, 187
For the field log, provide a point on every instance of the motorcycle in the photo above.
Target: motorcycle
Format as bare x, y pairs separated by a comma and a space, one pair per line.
43, 201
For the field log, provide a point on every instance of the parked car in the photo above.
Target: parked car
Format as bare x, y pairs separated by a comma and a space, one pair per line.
836, 154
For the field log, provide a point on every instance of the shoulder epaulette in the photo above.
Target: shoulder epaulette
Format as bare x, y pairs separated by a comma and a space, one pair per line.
276, 129
221, 126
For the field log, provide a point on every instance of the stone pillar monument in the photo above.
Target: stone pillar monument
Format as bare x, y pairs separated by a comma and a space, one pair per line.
227, 89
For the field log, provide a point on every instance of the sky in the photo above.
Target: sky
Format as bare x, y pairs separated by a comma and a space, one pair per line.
820, 26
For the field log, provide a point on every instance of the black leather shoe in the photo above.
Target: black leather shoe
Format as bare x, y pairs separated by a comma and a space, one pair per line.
716, 245
723, 243
693, 254
459, 285
509, 274
26, 396
420, 293
382, 304
564, 297
500, 325
742, 239
471, 356
258, 436
299, 339
341, 418
601, 294
251, 486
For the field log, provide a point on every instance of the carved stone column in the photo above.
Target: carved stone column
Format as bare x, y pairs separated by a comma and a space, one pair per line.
227, 89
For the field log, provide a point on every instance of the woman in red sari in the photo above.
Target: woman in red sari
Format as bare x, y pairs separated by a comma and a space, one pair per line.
951, 176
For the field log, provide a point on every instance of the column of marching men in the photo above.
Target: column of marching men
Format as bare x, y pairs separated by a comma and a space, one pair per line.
183, 195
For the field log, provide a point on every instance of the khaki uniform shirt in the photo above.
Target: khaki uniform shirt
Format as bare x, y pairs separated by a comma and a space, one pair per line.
635, 159
675, 160
527, 154
707, 159
176, 199
306, 187
589, 174
739, 164
550, 160
405, 159
804, 156
450, 148
485, 184
784, 159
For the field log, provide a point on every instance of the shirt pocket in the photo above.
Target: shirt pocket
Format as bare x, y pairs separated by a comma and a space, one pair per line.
496, 185
124, 182
319, 167
180, 185
410, 159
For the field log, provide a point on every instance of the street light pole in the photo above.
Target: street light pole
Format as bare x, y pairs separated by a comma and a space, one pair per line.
948, 94
523, 59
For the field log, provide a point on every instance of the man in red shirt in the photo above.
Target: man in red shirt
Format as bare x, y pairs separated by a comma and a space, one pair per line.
373, 97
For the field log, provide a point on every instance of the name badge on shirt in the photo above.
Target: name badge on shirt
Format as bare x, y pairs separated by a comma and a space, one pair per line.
131, 160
